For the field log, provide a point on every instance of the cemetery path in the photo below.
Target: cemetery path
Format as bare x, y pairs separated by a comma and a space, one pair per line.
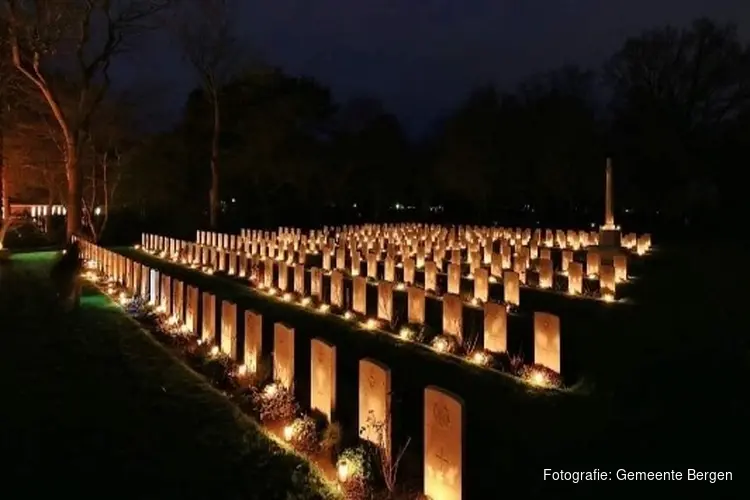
92, 406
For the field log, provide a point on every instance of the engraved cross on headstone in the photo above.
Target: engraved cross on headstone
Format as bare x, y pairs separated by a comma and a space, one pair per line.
444, 461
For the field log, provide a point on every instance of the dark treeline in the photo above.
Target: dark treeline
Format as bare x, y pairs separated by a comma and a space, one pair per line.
676, 120
671, 107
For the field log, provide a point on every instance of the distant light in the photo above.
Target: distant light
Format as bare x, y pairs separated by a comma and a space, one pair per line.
98, 211
354, 205
234, 200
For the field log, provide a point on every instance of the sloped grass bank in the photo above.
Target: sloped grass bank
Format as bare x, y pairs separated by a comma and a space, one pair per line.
95, 407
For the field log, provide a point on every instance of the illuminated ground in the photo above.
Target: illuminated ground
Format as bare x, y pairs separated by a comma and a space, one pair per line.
92, 406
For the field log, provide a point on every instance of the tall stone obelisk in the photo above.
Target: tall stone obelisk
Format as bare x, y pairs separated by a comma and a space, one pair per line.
609, 233
609, 216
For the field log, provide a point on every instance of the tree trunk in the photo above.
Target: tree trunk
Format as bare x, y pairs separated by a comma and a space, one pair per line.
213, 195
48, 215
5, 190
4, 194
75, 192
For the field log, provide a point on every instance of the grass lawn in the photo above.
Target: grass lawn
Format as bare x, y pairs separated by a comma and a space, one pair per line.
665, 377
93, 406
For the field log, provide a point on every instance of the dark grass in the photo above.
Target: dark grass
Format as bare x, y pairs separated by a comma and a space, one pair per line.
665, 377
94, 407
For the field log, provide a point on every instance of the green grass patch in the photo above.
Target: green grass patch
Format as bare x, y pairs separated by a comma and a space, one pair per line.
94, 406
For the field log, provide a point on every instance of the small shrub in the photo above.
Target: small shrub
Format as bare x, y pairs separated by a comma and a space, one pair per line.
508, 363
218, 370
275, 403
331, 437
138, 307
262, 374
195, 355
354, 473
540, 376
446, 343
414, 332
302, 433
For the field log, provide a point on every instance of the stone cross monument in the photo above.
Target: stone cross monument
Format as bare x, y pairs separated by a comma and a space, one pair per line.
609, 216
609, 233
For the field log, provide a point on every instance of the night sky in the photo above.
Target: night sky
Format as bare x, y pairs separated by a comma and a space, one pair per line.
421, 57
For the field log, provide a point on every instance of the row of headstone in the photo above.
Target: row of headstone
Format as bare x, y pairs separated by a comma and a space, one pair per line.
518, 258
275, 274
237, 262
443, 412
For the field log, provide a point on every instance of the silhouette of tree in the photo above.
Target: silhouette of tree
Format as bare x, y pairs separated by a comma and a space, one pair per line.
675, 91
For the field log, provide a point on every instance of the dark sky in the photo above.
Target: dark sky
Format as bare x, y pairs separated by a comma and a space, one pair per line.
421, 57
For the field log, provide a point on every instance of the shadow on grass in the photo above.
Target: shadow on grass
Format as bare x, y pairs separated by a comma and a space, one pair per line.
93, 406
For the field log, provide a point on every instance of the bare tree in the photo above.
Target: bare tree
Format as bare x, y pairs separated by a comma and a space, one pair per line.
84, 36
106, 172
111, 147
209, 44
8, 91
388, 458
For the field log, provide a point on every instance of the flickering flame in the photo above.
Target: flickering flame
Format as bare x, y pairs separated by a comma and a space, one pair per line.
400, 286
306, 301
608, 297
272, 291
242, 370
288, 432
538, 378
324, 308
480, 358
348, 315
440, 344
406, 334
287, 297
215, 350
370, 324
270, 391
342, 472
